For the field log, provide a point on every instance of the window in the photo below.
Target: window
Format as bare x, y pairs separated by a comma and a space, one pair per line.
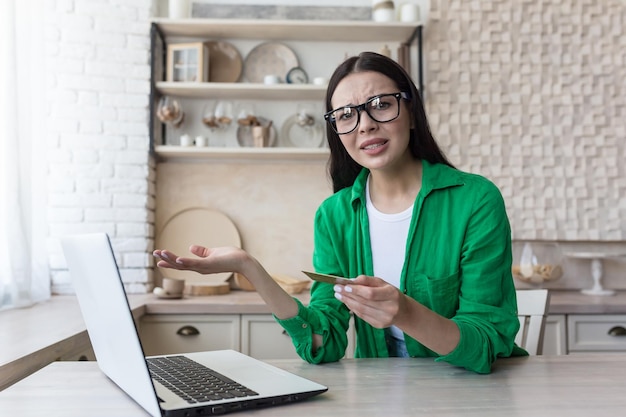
24, 276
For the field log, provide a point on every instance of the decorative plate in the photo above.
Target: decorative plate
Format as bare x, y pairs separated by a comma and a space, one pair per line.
303, 131
270, 58
225, 63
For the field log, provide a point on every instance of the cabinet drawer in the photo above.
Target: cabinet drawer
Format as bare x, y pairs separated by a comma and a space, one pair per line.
178, 333
263, 338
555, 336
596, 332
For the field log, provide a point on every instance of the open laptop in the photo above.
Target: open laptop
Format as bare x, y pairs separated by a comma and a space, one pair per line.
250, 383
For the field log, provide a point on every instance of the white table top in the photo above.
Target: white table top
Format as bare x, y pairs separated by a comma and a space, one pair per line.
571, 386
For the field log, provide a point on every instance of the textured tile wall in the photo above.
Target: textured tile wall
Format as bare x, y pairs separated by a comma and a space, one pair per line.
532, 94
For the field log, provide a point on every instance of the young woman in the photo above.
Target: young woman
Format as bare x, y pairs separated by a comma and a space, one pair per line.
428, 246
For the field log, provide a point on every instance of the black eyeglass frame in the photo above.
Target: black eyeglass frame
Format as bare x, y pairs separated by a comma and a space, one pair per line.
364, 107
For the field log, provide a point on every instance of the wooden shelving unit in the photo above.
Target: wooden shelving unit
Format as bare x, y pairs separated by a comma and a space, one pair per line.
262, 30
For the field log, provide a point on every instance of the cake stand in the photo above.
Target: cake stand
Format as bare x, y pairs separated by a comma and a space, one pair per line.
597, 269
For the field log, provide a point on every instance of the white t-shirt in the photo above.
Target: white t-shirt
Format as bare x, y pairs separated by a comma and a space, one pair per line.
388, 236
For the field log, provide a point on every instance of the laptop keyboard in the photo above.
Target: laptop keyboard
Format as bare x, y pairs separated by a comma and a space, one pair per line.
193, 381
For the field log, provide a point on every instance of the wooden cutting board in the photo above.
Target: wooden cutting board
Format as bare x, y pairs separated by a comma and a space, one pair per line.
197, 288
199, 226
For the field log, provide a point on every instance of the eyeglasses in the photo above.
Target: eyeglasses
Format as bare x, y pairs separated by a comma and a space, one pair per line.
382, 109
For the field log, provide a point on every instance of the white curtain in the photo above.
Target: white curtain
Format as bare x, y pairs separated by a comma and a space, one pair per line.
24, 274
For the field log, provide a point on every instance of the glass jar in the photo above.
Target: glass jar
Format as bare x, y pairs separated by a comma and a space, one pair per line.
537, 262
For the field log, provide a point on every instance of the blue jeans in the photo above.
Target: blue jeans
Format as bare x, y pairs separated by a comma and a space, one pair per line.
396, 347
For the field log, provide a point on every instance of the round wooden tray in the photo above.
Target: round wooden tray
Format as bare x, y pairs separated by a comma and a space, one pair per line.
199, 226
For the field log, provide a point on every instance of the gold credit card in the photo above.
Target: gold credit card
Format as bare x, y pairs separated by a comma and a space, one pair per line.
330, 279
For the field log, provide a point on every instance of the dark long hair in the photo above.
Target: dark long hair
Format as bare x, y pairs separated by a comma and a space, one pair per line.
342, 169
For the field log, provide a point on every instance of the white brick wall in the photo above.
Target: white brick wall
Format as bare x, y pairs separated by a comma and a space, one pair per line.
101, 177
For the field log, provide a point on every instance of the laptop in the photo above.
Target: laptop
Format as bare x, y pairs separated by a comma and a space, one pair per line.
241, 382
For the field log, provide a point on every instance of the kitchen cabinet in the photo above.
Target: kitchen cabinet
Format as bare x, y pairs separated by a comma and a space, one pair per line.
256, 335
259, 336
596, 333
572, 333
263, 338
179, 333
319, 45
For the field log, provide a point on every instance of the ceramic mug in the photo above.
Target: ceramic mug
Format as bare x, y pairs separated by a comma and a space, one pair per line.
185, 140
270, 79
173, 286
201, 141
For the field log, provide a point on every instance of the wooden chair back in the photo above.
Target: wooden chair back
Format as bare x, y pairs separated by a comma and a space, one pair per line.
532, 309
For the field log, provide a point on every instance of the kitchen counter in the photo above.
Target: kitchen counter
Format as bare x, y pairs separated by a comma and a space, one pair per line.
36, 336
235, 302
33, 337
574, 302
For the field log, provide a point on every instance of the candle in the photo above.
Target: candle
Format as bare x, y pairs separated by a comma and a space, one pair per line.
383, 11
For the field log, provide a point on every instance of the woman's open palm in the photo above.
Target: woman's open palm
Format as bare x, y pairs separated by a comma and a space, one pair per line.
207, 260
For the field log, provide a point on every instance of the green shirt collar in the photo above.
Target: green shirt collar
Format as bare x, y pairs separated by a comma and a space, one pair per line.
434, 177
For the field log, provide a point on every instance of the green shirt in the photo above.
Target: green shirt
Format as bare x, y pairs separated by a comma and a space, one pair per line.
457, 263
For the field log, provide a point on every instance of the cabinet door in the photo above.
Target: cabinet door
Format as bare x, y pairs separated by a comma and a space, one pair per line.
555, 336
178, 333
596, 333
263, 338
